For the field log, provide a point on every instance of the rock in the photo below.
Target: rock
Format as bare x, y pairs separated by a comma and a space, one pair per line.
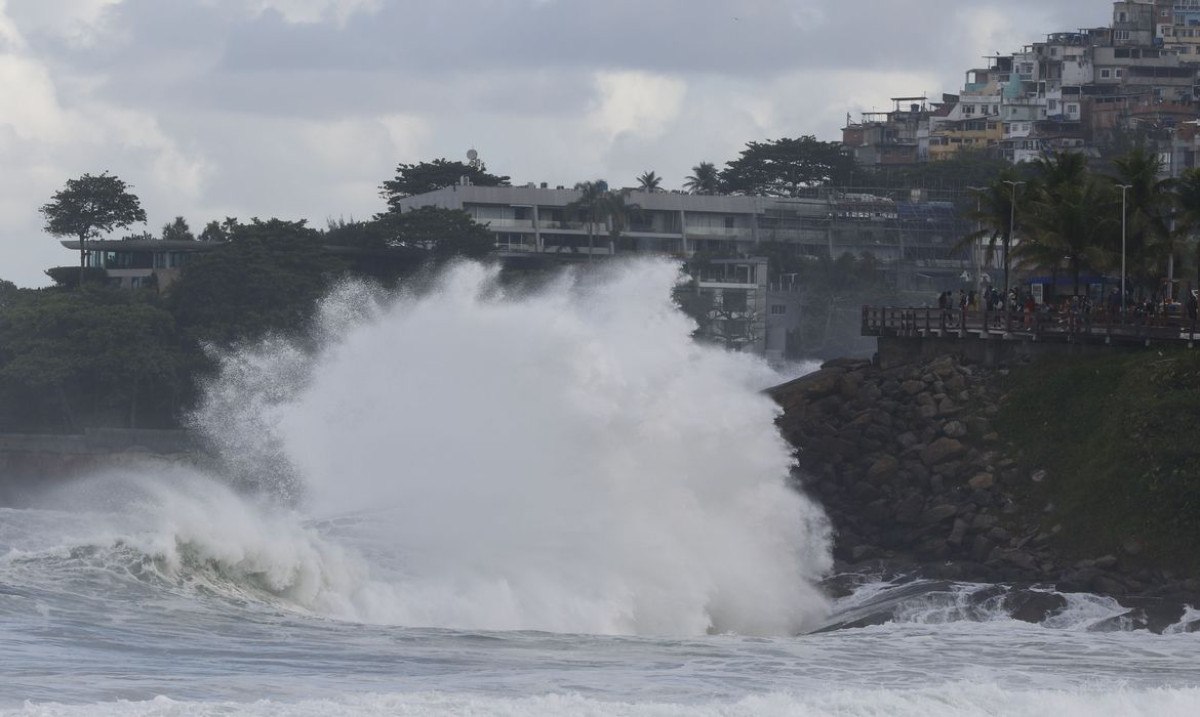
938, 514
1038, 476
954, 429
908, 439
1132, 546
941, 450
908, 512
883, 469
984, 522
928, 412
946, 407
957, 533
982, 481
981, 547
912, 388
1033, 606
1021, 559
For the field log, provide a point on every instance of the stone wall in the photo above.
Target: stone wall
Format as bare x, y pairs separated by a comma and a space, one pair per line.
906, 461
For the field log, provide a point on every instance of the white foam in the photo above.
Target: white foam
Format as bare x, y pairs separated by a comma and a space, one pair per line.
955, 700
565, 460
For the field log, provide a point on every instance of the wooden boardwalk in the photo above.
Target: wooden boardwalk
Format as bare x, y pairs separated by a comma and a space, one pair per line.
1097, 327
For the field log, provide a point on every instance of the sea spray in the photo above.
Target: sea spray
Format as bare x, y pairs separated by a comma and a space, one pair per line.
565, 459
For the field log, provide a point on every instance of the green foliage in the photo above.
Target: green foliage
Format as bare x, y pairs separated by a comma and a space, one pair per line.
412, 179
92, 205
1071, 221
704, 179
219, 231
99, 356
649, 182
443, 233
787, 167
178, 230
1117, 435
67, 277
89, 206
267, 278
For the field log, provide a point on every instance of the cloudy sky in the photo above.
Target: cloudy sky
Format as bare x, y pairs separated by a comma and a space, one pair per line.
300, 108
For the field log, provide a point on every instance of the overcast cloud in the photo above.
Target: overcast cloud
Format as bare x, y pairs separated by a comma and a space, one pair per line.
301, 108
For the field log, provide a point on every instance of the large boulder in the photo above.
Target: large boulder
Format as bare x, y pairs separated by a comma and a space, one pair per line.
942, 450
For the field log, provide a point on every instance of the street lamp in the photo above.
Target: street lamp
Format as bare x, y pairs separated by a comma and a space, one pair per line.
1124, 188
1012, 225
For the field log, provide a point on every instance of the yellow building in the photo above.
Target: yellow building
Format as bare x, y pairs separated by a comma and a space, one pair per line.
971, 134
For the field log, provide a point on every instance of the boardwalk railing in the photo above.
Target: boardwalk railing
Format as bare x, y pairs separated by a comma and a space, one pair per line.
1091, 327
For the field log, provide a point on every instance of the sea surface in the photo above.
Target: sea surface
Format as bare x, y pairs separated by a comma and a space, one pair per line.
489, 501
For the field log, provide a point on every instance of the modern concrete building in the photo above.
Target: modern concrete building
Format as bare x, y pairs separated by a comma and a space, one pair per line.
140, 263
911, 237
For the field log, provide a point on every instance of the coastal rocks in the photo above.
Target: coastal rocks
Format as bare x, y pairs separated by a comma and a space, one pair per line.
910, 469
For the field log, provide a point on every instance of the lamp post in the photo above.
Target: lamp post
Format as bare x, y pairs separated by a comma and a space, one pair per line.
1124, 188
1012, 225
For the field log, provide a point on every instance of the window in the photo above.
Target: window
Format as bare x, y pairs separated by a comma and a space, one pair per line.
1105, 74
733, 300
1072, 109
1119, 73
1121, 34
729, 222
778, 309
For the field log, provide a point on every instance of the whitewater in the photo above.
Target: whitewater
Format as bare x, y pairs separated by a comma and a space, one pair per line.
483, 498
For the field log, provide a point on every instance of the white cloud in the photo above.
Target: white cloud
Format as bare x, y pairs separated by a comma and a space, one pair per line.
82, 23
639, 103
312, 11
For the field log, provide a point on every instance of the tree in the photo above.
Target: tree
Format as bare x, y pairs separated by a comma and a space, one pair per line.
1187, 200
178, 230
444, 233
993, 213
93, 357
90, 206
619, 213
590, 205
1070, 221
705, 179
1148, 208
413, 179
649, 182
267, 278
786, 167
219, 231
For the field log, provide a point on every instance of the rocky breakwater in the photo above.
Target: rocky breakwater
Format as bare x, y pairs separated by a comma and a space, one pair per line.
917, 482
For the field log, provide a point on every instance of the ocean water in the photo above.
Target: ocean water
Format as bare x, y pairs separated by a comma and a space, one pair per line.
484, 501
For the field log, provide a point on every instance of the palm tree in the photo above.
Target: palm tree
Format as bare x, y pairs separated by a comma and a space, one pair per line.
1070, 221
994, 215
1060, 168
1187, 200
620, 214
649, 182
1148, 202
705, 179
590, 205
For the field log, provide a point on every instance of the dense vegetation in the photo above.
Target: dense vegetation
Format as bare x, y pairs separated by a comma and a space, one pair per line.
1117, 435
